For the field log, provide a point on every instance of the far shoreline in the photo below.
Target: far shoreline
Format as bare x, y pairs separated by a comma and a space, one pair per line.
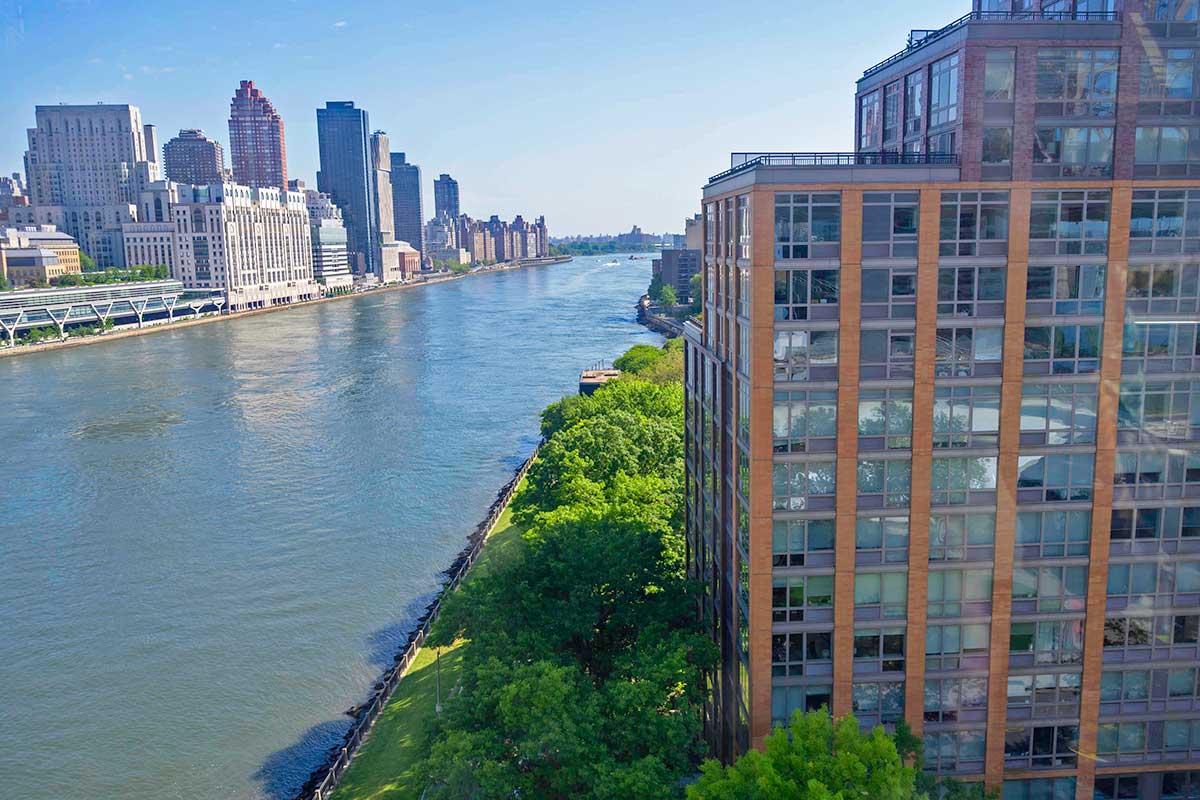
29, 349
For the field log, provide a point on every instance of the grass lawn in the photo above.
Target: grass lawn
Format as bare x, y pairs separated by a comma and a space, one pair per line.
385, 768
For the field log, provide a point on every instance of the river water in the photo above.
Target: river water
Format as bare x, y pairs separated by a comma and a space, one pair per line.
213, 539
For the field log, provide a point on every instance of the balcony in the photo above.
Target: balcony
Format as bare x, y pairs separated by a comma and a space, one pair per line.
920, 38
743, 162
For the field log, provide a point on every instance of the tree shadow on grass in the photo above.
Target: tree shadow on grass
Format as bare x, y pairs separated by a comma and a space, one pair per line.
285, 771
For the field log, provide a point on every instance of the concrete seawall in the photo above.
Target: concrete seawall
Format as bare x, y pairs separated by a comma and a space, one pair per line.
325, 779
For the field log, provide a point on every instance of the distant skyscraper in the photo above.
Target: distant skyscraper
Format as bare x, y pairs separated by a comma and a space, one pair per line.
256, 145
87, 167
191, 157
445, 196
388, 259
343, 142
406, 203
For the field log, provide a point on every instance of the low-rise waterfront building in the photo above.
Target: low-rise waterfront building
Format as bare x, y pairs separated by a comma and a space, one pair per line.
137, 303
38, 254
254, 245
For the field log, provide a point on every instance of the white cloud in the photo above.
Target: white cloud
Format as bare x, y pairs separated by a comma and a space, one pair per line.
127, 76
341, 23
278, 45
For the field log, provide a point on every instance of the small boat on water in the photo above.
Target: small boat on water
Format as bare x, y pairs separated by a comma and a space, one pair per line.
612, 263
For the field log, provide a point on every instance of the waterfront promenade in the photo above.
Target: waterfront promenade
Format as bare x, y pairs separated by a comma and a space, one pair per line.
127, 332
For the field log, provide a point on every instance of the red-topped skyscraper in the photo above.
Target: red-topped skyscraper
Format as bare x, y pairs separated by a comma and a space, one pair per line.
256, 139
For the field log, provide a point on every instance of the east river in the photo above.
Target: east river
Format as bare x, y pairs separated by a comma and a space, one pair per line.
213, 539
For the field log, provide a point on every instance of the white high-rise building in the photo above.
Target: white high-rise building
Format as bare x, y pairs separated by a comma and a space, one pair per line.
254, 244
331, 260
87, 167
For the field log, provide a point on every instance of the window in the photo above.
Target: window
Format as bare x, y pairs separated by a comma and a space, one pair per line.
955, 751
945, 142
889, 293
1052, 534
890, 224
1054, 478
806, 294
965, 352
963, 480
805, 421
1176, 469
1163, 637
999, 73
743, 226
1169, 74
802, 598
913, 103
1165, 149
1064, 289
807, 225
1045, 642
997, 145
879, 650
869, 122
1131, 686
1160, 347
954, 699
1042, 746
957, 646
806, 355
876, 703
1135, 741
802, 542
886, 354
971, 291
1175, 10
961, 537
1155, 523
1069, 222
1153, 411
891, 115
943, 91
1062, 349
1076, 82
879, 540
1044, 696
1165, 221
802, 485
1072, 152
802, 653
1151, 585
1058, 413
880, 594
959, 593
966, 416
1163, 288
973, 223
885, 419
1053, 588
785, 700
1039, 789
884, 483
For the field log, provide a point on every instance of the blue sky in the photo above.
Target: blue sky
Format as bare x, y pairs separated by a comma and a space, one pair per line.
601, 115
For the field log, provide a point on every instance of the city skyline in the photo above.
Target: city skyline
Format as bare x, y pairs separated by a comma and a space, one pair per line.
641, 134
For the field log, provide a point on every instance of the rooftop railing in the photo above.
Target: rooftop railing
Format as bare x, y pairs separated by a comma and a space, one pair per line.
740, 162
919, 39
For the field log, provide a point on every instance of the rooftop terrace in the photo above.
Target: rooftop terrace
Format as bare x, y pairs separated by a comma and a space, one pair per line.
842, 167
919, 39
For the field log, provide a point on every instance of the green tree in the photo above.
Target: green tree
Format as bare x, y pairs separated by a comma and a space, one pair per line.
654, 290
86, 262
696, 286
668, 297
638, 358
813, 759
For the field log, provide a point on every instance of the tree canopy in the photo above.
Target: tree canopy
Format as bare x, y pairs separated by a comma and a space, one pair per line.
583, 659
